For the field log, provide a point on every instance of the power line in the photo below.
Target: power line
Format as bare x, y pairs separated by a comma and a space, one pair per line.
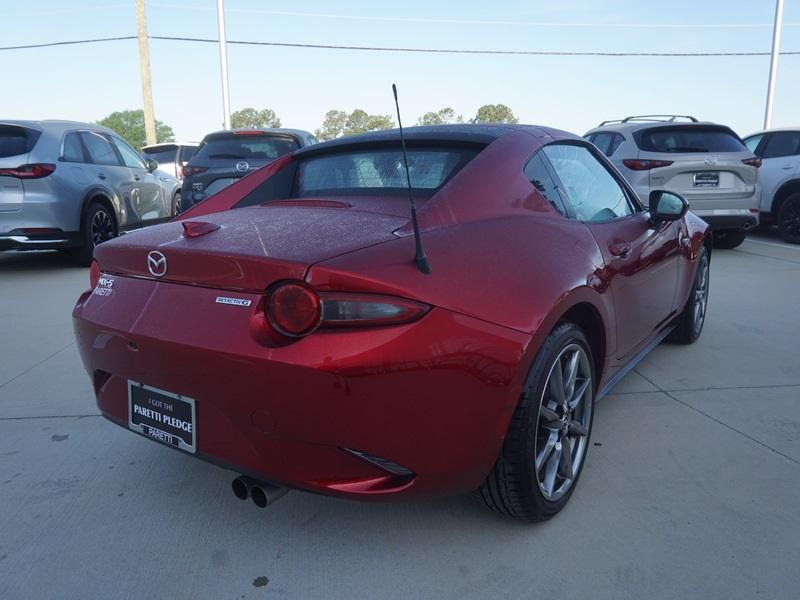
405, 49
284, 13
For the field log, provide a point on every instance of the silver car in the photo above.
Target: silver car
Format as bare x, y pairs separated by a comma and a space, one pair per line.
71, 186
779, 177
706, 163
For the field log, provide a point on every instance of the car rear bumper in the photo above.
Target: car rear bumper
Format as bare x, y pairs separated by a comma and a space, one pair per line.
20, 240
434, 397
731, 218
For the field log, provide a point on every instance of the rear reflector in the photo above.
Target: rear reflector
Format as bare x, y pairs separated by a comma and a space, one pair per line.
94, 274
645, 165
753, 162
32, 171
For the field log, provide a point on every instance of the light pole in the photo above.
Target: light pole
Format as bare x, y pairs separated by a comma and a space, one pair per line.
773, 63
223, 61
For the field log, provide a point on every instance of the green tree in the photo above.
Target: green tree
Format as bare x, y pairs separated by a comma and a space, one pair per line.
440, 117
332, 126
339, 123
250, 117
130, 125
495, 113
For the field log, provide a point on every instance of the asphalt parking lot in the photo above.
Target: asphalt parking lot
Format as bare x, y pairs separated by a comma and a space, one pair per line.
690, 490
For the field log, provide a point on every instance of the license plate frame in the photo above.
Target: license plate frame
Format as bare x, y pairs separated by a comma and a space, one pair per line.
162, 416
706, 179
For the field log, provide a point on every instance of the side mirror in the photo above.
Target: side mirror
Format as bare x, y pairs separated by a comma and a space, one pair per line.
666, 206
152, 165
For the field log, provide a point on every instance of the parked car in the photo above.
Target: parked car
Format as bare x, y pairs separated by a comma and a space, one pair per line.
72, 186
225, 156
779, 177
171, 156
313, 351
708, 164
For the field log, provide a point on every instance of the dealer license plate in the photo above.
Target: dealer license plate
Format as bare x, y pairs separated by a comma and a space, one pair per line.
166, 417
706, 179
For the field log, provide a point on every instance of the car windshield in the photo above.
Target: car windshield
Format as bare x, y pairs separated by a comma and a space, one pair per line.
245, 147
378, 171
690, 139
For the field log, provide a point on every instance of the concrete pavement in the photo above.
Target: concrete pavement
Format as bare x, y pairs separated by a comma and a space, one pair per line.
690, 490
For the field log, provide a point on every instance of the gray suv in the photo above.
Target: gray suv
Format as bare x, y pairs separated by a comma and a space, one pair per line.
71, 186
706, 163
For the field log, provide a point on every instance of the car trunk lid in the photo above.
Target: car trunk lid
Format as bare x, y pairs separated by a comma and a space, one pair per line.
252, 248
15, 144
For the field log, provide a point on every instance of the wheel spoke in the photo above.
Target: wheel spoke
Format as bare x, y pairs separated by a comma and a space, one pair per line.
542, 457
552, 470
549, 416
579, 393
557, 384
565, 459
577, 428
571, 374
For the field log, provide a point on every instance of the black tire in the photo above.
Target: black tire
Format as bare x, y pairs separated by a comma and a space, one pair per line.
98, 226
688, 328
176, 204
728, 239
789, 219
513, 487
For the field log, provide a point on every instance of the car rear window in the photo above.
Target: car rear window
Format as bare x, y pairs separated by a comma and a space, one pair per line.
379, 171
161, 154
245, 147
16, 140
687, 139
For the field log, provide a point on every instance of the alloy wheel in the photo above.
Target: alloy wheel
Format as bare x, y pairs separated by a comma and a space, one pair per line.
789, 224
700, 299
565, 415
101, 227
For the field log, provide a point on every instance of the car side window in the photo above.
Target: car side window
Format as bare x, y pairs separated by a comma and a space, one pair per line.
73, 149
782, 143
603, 140
130, 157
99, 148
616, 142
537, 173
753, 141
590, 189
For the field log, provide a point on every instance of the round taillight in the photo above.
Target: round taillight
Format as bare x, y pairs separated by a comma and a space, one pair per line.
294, 309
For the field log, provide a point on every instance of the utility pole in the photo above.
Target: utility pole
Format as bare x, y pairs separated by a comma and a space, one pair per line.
223, 62
773, 63
144, 66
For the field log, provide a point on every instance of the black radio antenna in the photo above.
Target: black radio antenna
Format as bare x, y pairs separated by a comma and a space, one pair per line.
419, 258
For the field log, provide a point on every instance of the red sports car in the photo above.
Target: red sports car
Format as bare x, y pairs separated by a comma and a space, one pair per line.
285, 330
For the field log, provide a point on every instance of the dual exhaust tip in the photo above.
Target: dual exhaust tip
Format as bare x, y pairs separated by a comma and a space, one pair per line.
263, 494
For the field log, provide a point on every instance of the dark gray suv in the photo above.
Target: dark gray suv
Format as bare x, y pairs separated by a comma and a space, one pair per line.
71, 186
225, 156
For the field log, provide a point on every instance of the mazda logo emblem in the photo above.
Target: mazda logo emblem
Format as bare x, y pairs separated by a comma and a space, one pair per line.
242, 166
157, 264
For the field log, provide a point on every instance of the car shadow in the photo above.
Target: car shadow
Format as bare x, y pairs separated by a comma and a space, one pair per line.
35, 260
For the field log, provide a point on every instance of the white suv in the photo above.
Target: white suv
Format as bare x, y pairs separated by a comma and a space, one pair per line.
706, 163
779, 177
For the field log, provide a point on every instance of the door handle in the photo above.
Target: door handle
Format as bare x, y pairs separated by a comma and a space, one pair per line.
622, 249
787, 167
101, 176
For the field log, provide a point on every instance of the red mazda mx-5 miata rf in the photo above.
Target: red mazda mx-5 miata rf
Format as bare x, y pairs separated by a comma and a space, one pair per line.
289, 327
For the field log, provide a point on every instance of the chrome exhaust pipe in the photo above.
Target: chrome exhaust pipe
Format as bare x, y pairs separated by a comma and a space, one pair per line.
241, 487
264, 494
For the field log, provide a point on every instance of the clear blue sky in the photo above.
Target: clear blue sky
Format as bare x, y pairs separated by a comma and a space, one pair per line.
574, 93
